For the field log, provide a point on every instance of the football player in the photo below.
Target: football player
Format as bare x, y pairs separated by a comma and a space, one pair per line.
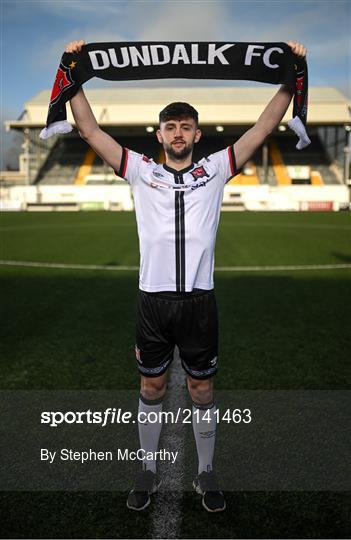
177, 207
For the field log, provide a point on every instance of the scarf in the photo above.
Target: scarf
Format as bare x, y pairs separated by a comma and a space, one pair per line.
272, 63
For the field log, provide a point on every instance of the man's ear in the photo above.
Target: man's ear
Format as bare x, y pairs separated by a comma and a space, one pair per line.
198, 135
159, 136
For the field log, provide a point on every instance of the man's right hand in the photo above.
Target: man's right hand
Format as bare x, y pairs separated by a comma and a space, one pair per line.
74, 46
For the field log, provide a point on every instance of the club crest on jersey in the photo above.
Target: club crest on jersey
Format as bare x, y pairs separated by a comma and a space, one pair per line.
63, 82
199, 172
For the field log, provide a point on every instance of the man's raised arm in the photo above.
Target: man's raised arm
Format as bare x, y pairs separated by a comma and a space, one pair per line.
102, 143
271, 117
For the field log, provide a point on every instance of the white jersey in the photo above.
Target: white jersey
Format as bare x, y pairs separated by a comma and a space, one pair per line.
177, 216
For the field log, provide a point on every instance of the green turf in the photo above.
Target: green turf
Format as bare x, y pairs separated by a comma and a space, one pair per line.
243, 238
278, 329
75, 329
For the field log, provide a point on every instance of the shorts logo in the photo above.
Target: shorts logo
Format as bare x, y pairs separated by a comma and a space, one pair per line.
213, 362
199, 173
137, 354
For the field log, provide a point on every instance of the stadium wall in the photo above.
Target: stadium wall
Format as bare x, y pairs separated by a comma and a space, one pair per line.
119, 197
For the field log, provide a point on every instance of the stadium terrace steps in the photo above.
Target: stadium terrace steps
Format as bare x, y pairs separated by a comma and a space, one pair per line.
316, 178
327, 174
281, 172
271, 179
66, 158
248, 176
64, 161
314, 156
100, 167
85, 168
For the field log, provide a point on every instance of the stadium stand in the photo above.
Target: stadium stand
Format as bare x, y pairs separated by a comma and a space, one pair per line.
63, 162
314, 157
130, 116
71, 161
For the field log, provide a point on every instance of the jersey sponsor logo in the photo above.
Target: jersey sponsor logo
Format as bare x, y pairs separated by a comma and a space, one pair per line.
157, 55
196, 186
163, 185
157, 174
199, 172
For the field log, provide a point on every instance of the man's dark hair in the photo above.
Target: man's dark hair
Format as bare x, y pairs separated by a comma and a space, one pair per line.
177, 111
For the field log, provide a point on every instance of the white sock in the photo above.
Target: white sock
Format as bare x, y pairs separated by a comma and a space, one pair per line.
204, 426
149, 432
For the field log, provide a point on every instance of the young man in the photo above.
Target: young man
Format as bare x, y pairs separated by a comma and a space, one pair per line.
177, 209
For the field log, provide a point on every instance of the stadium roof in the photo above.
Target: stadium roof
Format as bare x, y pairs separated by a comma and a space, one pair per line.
216, 105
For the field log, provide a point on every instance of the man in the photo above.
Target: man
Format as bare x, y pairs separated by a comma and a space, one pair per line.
177, 209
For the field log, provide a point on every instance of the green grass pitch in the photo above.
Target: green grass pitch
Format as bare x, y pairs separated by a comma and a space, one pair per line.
74, 329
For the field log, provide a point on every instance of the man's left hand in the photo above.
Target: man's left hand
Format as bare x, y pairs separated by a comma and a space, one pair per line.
298, 49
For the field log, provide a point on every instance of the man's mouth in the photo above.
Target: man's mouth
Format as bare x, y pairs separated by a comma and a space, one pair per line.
178, 143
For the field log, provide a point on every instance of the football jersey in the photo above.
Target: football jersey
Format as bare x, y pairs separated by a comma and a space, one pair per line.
177, 215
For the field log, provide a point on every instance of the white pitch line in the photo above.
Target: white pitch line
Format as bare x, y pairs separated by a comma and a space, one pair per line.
74, 226
290, 226
114, 268
166, 514
64, 266
281, 267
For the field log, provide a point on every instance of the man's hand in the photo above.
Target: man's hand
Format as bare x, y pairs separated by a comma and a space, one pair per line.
102, 143
246, 146
298, 49
74, 46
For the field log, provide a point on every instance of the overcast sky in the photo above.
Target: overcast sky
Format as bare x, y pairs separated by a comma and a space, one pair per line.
34, 33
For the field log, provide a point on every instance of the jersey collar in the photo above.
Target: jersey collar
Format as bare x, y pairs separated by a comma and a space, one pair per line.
174, 171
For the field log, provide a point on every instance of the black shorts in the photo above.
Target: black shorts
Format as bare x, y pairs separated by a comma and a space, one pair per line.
187, 320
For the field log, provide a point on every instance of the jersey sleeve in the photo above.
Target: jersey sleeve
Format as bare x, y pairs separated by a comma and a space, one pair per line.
225, 162
130, 166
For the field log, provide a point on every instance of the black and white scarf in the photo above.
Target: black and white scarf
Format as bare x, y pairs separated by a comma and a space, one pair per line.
263, 62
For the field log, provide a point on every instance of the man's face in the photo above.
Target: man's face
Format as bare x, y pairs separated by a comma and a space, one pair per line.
178, 137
